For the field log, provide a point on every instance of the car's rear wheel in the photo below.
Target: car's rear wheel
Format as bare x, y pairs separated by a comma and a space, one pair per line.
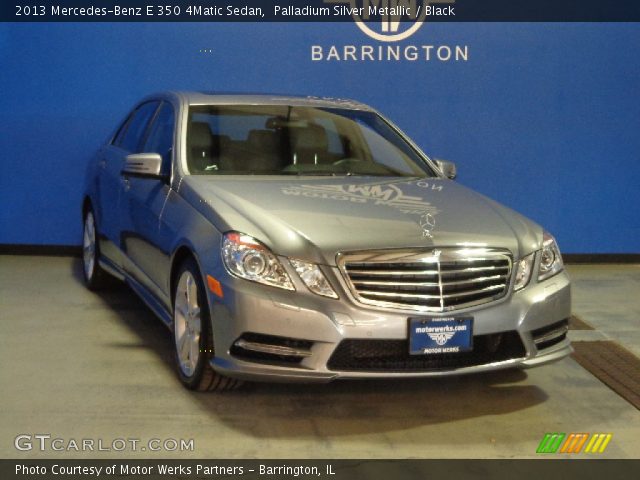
94, 276
193, 338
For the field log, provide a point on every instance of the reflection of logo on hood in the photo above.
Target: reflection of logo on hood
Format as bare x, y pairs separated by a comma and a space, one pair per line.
427, 222
390, 195
398, 19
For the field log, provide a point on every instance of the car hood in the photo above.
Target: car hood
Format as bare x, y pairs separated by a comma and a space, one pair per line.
315, 218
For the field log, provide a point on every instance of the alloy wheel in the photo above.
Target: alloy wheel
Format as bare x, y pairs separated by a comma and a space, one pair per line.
187, 323
89, 245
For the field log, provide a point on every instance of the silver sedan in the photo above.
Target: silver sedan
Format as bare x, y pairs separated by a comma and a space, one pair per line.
306, 239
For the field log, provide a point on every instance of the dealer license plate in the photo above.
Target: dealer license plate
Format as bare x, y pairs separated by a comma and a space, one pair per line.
433, 336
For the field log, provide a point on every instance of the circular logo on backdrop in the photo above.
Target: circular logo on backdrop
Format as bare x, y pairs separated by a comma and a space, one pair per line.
389, 20
397, 19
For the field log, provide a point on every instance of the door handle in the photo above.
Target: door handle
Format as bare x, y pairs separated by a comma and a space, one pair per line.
127, 184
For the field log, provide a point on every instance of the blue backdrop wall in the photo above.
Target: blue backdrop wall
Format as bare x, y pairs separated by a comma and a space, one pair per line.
542, 117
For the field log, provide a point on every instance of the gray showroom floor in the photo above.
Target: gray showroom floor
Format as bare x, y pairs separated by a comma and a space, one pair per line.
75, 364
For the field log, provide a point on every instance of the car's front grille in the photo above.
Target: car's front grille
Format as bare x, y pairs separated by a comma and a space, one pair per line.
362, 355
436, 280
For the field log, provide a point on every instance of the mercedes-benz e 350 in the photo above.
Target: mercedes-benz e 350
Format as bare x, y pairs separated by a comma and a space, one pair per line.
305, 239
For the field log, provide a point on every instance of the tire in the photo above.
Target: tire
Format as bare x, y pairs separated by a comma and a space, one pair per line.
192, 336
95, 278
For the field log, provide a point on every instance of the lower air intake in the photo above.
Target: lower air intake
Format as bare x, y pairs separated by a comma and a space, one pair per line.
361, 355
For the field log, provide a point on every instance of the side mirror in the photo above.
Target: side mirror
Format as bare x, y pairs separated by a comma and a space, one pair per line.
448, 169
147, 165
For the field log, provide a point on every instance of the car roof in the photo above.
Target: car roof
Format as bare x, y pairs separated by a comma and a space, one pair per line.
228, 98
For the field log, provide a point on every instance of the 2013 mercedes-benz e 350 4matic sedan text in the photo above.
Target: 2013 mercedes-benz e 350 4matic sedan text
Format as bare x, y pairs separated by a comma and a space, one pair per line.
305, 239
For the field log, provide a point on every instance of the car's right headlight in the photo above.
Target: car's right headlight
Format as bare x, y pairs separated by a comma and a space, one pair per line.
247, 258
550, 258
523, 271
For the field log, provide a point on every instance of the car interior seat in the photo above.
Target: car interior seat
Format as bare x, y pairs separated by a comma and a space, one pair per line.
309, 145
266, 147
206, 148
201, 143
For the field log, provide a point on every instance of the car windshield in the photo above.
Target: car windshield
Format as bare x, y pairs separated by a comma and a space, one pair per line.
290, 140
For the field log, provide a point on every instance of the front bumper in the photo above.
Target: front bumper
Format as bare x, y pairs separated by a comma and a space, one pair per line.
321, 324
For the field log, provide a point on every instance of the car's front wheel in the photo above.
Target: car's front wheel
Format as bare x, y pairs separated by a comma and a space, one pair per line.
193, 338
94, 276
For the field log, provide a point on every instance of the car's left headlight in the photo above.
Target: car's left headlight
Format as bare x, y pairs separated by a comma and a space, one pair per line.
550, 258
313, 278
248, 258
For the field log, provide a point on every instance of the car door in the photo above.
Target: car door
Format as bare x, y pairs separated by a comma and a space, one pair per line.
107, 205
148, 239
110, 185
